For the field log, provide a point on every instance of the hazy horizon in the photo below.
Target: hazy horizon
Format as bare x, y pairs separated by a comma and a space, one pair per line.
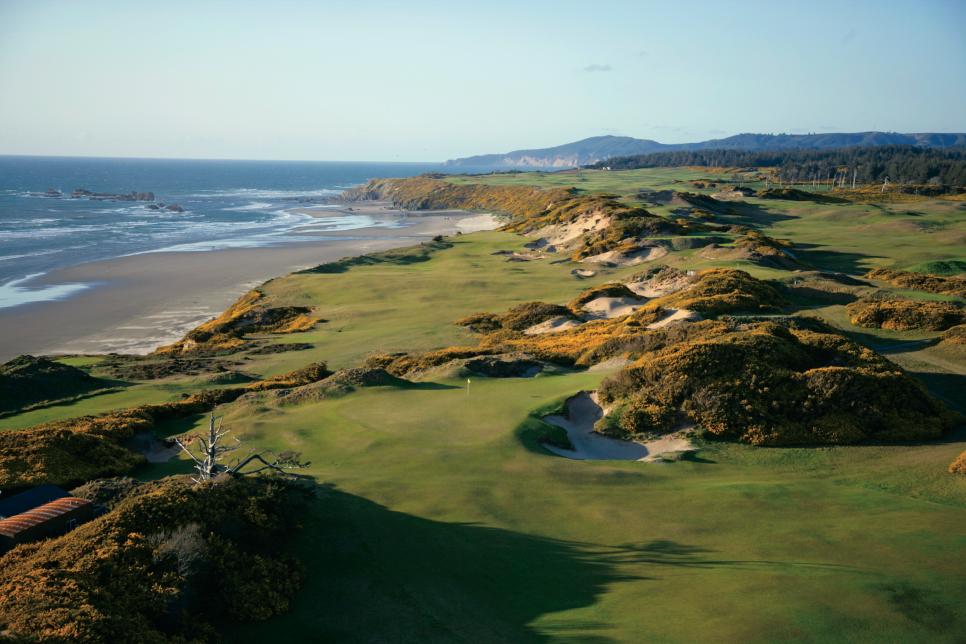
428, 81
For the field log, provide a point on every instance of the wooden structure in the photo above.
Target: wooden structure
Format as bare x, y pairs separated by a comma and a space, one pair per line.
43, 512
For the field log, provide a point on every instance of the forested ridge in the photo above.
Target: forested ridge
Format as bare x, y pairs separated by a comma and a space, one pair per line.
894, 163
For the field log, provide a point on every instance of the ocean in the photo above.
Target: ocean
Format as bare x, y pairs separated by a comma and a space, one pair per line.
214, 204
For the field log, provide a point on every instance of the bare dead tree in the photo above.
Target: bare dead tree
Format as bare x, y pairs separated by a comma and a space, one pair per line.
208, 451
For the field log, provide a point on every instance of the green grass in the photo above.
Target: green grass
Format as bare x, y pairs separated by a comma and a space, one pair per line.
442, 519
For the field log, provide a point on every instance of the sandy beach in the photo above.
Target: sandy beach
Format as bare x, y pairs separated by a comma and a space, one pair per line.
139, 302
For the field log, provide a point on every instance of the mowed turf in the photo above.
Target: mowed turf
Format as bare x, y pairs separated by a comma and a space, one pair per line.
445, 521
440, 518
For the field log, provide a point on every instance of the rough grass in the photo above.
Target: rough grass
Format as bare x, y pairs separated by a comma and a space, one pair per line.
26, 381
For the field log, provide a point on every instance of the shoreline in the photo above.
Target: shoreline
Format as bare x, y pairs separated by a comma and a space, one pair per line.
136, 303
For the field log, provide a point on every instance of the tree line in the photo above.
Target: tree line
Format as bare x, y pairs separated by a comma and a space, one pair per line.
902, 164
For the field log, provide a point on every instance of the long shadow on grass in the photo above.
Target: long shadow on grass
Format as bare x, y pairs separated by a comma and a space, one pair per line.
832, 260
377, 575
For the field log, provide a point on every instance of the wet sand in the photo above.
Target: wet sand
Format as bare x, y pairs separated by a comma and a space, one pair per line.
140, 302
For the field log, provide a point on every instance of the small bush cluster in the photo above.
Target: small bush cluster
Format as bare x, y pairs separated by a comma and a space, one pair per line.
905, 315
954, 335
518, 318
943, 284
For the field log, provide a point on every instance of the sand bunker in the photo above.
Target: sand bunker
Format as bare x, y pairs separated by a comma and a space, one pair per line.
153, 449
583, 411
583, 272
676, 315
611, 307
514, 256
553, 325
632, 258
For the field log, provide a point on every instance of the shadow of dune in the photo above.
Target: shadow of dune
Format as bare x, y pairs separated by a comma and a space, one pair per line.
832, 260
377, 575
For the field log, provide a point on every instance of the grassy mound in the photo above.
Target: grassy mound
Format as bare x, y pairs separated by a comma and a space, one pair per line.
169, 563
628, 228
26, 381
954, 335
724, 290
771, 384
248, 314
905, 315
519, 318
341, 383
794, 194
80, 449
918, 281
399, 257
941, 267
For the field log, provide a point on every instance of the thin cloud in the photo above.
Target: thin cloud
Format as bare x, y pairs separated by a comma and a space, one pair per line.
597, 68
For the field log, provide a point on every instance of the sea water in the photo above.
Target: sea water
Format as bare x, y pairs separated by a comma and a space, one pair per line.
226, 204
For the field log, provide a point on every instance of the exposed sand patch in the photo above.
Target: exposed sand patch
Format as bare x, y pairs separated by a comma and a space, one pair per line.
564, 235
553, 325
477, 223
662, 286
676, 315
583, 410
611, 364
612, 307
632, 258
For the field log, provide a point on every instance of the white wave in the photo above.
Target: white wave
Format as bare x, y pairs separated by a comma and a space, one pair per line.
13, 293
258, 193
4, 258
254, 205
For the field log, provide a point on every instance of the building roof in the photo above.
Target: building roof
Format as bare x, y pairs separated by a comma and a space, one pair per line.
19, 503
12, 526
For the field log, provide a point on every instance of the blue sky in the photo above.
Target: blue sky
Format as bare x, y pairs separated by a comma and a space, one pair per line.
367, 80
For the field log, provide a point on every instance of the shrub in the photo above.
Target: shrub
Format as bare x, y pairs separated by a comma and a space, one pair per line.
944, 284
169, 563
959, 465
904, 315
770, 383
